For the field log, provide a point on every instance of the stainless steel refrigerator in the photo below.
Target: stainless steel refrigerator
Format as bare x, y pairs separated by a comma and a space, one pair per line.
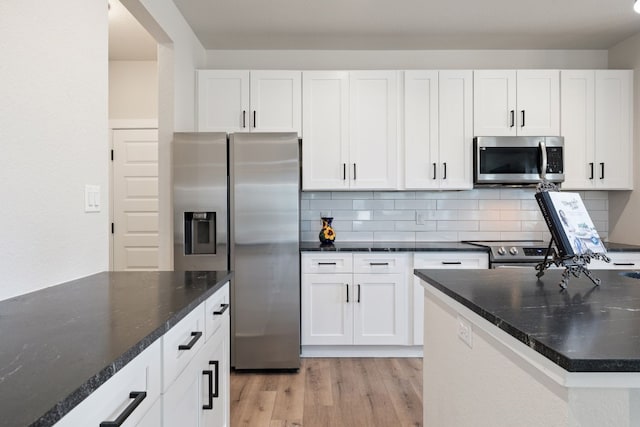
264, 211
236, 206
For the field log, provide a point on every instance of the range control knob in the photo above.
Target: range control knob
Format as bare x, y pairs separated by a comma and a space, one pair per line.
501, 250
513, 250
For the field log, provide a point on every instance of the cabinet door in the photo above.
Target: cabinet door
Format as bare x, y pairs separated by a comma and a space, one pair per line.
373, 106
380, 309
216, 392
327, 316
325, 126
577, 126
494, 102
456, 129
223, 101
420, 129
276, 101
538, 99
613, 130
182, 402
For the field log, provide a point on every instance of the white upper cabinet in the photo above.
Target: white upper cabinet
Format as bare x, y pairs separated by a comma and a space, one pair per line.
350, 130
523, 102
438, 126
325, 126
596, 116
249, 101
223, 100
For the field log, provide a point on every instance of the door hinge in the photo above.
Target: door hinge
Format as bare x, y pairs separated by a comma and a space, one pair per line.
112, 155
112, 228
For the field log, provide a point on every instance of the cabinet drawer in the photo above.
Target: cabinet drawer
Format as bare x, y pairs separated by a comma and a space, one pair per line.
619, 261
380, 263
216, 309
181, 343
112, 398
327, 263
451, 260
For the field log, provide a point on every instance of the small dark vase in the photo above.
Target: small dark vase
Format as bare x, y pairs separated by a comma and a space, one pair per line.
327, 234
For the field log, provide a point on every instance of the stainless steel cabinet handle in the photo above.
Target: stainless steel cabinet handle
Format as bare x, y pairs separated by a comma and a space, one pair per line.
138, 397
196, 336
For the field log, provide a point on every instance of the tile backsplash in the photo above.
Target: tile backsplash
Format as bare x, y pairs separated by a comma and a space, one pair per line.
479, 214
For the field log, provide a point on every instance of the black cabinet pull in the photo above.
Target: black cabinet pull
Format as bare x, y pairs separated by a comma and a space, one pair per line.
513, 118
244, 119
354, 171
326, 263
344, 171
591, 168
451, 262
601, 170
522, 125
254, 119
138, 397
378, 263
445, 170
358, 293
624, 263
196, 336
212, 394
347, 286
223, 308
434, 171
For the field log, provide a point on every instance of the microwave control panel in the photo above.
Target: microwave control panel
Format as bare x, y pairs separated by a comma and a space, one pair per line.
554, 160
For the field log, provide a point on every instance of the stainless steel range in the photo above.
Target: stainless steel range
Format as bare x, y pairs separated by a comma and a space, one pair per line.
516, 253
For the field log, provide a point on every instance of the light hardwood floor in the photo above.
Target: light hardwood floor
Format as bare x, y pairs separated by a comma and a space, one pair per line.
331, 393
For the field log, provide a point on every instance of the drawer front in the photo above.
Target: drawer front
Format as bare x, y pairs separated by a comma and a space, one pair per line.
451, 260
216, 310
112, 398
181, 343
327, 263
619, 261
380, 263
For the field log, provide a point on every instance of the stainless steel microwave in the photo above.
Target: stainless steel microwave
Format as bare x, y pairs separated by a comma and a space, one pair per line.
517, 160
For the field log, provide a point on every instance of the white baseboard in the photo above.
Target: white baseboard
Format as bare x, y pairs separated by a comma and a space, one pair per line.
360, 351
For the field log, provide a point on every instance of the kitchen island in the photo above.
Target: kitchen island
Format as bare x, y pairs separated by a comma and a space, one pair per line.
60, 344
502, 348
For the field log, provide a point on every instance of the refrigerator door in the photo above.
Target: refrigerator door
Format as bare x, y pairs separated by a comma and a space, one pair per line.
200, 196
265, 257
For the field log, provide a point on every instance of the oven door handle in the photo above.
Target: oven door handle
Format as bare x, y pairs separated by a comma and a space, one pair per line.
543, 167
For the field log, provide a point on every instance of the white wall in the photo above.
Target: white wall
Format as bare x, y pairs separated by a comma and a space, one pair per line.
405, 59
133, 90
625, 205
54, 140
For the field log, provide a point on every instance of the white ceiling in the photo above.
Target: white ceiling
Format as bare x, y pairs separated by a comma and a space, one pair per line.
387, 24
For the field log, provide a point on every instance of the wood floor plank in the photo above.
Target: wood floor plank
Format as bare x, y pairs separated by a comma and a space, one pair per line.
331, 392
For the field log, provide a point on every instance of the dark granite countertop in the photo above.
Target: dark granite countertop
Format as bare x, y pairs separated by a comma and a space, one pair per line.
59, 344
390, 247
582, 329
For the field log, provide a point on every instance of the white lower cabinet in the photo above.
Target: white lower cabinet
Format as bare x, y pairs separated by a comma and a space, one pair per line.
438, 260
180, 380
619, 261
131, 397
354, 299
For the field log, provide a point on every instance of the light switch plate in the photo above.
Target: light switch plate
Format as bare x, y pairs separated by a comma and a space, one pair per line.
92, 198
464, 331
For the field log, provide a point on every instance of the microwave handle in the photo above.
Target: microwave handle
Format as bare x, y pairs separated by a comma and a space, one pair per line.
543, 168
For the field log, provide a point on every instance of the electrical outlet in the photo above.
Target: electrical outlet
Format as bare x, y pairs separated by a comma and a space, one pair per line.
464, 332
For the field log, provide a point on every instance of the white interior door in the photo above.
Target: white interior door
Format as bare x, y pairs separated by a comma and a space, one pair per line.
135, 199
